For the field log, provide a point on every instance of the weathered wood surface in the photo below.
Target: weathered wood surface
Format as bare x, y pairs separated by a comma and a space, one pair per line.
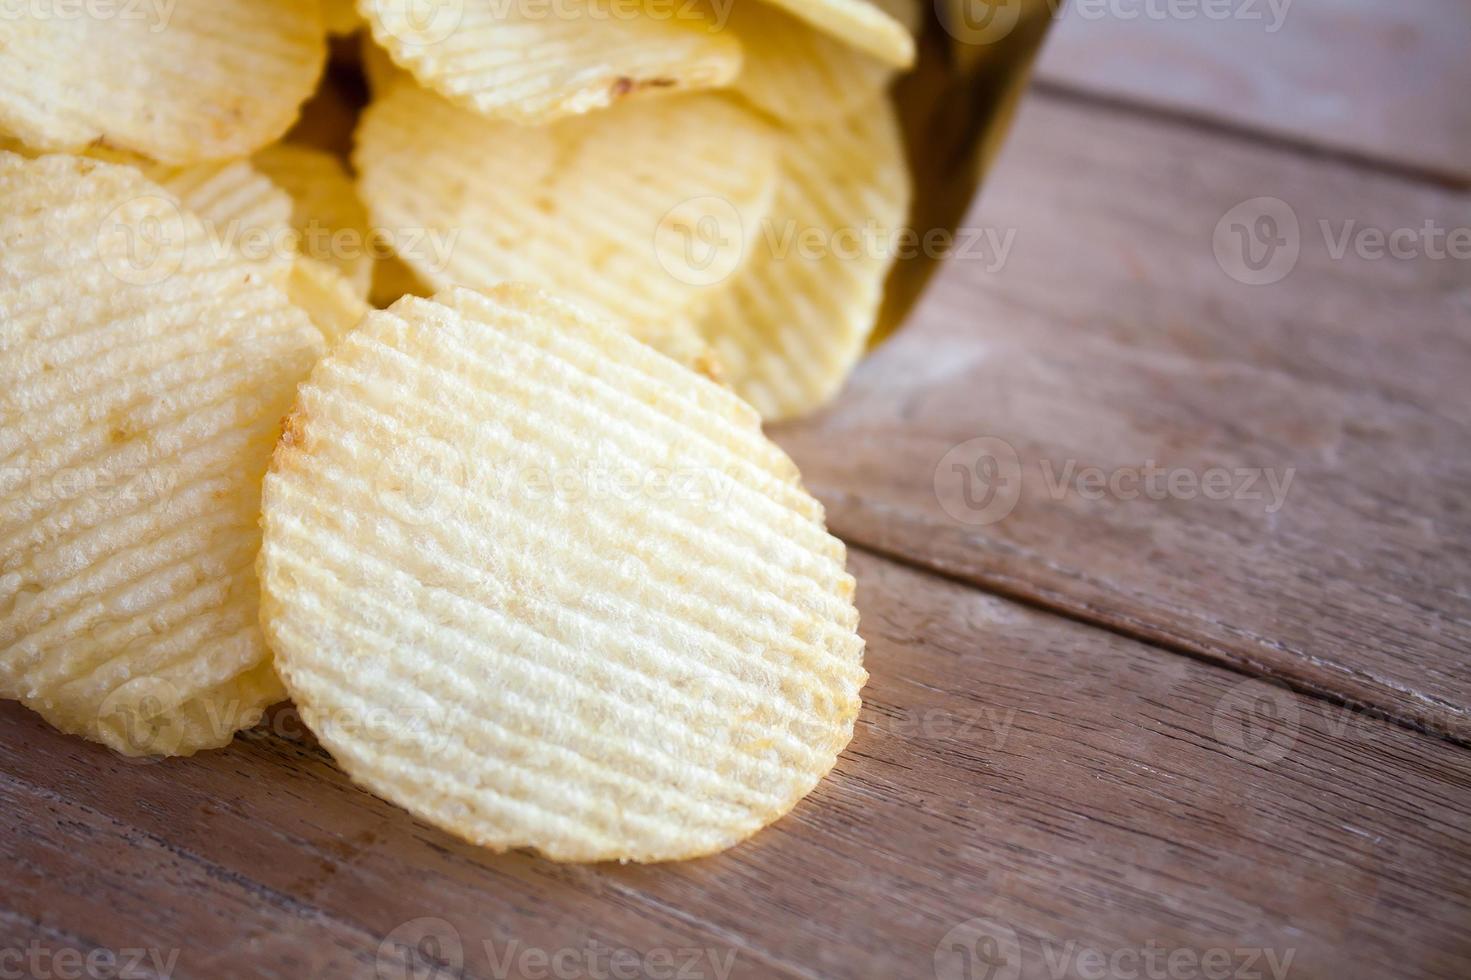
1062, 782
1385, 81
1331, 410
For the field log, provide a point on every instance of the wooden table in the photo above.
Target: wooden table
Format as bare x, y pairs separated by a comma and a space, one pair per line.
1188, 694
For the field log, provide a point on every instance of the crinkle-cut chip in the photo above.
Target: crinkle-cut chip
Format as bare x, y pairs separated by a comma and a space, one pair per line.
242, 209
233, 198
333, 303
341, 16
797, 319
799, 74
681, 340
637, 211
393, 280
181, 83
330, 222
143, 376
485, 631
535, 62
866, 25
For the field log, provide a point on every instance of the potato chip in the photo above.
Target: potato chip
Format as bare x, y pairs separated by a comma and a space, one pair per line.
242, 210
545, 589
637, 211
233, 198
333, 303
143, 374
532, 61
800, 74
796, 321
331, 222
183, 82
866, 25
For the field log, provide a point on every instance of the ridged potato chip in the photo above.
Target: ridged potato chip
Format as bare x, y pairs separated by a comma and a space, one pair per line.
181, 83
143, 374
544, 588
798, 73
242, 209
638, 211
331, 222
866, 25
794, 323
532, 62
333, 303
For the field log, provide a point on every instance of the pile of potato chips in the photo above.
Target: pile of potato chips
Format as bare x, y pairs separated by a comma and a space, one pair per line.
514, 541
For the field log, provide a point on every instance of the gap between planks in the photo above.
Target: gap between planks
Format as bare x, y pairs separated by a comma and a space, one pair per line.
1035, 597
1363, 160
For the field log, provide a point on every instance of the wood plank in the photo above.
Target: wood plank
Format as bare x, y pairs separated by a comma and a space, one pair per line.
1062, 782
1112, 338
1385, 80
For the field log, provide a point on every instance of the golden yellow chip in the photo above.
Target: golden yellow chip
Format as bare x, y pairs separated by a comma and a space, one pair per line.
143, 374
638, 212
539, 586
181, 82
865, 25
797, 319
330, 222
537, 61
800, 74
333, 303
242, 210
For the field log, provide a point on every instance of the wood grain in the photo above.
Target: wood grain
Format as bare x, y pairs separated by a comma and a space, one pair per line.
1112, 338
1059, 781
1369, 78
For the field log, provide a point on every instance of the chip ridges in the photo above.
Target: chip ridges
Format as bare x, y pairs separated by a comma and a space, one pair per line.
330, 222
139, 409
793, 325
866, 25
533, 62
608, 677
593, 207
169, 89
798, 73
